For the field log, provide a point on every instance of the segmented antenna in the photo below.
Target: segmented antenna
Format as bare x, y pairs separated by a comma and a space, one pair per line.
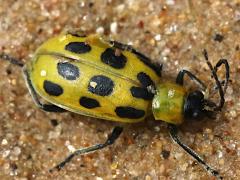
218, 83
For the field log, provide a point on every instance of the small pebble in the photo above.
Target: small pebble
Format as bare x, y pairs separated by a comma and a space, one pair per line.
158, 37
218, 37
113, 27
156, 128
99, 178
54, 122
165, 154
4, 142
71, 148
16, 151
221, 162
100, 30
5, 153
148, 177
170, 2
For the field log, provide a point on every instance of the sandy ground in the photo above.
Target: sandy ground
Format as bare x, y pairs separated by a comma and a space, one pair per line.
169, 31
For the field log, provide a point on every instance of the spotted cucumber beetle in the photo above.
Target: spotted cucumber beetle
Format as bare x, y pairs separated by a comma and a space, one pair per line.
96, 77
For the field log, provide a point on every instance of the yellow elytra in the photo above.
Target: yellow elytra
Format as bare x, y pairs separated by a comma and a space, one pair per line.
110, 95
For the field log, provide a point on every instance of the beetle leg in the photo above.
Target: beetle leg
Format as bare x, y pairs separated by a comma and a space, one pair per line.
173, 130
110, 140
12, 60
180, 79
124, 47
45, 107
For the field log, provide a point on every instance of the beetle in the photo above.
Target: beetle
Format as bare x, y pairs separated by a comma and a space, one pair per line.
97, 77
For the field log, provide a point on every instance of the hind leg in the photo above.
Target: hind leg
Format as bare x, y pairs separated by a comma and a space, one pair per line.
110, 140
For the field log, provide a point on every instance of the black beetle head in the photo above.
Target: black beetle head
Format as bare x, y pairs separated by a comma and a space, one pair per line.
194, 105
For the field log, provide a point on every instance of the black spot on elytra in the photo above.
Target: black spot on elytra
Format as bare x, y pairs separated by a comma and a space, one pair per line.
145, 79
68, 70
129, 112
157, 68
110, 58
78, 47
142, 93
52, 89
101, 85
89, 103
